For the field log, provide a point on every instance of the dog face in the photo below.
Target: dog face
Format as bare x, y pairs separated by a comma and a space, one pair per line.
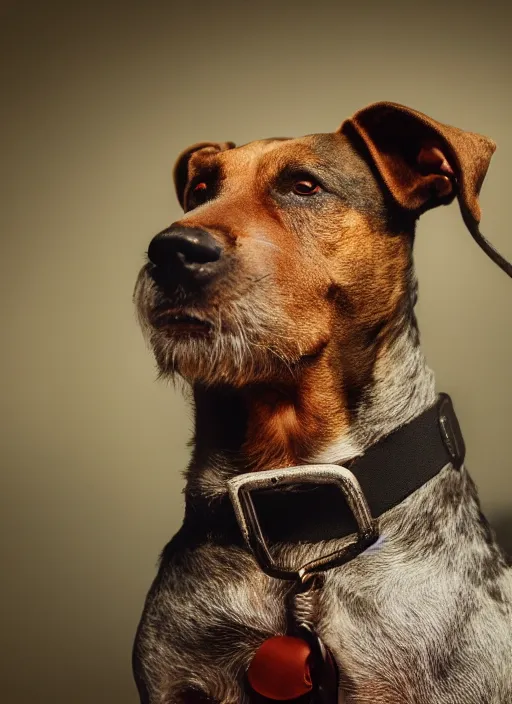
291, 250
304, 253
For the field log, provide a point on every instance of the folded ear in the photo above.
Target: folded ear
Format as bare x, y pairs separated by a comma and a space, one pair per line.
180, 172
423, 162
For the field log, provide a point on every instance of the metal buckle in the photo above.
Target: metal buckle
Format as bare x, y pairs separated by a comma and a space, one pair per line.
241, 486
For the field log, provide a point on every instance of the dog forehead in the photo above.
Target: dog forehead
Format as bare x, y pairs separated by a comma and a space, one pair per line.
328, 149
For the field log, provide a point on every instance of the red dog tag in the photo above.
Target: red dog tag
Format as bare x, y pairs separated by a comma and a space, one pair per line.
280, 668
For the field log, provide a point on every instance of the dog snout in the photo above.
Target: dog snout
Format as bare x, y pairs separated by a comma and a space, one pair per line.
185, 253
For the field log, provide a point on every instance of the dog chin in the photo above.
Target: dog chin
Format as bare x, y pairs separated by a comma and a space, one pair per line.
214, 360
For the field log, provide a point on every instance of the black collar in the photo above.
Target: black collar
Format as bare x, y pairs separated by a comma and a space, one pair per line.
388, 472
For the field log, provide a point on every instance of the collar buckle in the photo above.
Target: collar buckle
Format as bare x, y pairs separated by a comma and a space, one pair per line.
241, 486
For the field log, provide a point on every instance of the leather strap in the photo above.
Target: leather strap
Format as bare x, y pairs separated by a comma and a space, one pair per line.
388, 472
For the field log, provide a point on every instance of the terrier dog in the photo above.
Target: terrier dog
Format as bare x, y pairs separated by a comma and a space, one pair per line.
284, 298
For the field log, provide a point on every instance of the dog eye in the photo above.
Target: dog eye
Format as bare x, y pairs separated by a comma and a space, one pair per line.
306, 187
198, 195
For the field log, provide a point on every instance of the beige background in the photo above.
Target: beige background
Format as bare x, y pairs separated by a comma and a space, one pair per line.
97, 100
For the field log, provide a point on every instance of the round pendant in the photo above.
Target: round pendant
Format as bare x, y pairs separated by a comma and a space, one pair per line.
280, 669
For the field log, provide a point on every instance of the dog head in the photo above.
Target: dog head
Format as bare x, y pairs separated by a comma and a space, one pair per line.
295, 250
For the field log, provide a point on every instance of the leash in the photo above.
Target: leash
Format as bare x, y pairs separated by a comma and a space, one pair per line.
298, 667
481, 241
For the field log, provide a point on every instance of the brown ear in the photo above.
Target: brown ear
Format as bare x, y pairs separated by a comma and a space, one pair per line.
423, 162
180, 172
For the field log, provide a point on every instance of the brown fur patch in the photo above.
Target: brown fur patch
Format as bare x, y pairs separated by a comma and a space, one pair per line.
285, 426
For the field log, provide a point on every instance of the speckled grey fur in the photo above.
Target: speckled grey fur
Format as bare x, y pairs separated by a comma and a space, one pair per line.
425, 618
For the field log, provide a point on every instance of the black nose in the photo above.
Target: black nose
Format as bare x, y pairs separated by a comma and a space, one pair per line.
188, 251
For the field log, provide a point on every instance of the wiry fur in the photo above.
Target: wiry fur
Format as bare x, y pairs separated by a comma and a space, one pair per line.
424, 617
233, 351
411, 621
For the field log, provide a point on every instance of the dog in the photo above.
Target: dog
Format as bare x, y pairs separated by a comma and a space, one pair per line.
284, 299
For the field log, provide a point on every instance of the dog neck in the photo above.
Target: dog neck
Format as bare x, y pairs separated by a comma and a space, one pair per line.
307, 419
403, 387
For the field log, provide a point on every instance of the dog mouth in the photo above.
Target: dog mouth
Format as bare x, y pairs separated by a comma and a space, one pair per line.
181, 323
